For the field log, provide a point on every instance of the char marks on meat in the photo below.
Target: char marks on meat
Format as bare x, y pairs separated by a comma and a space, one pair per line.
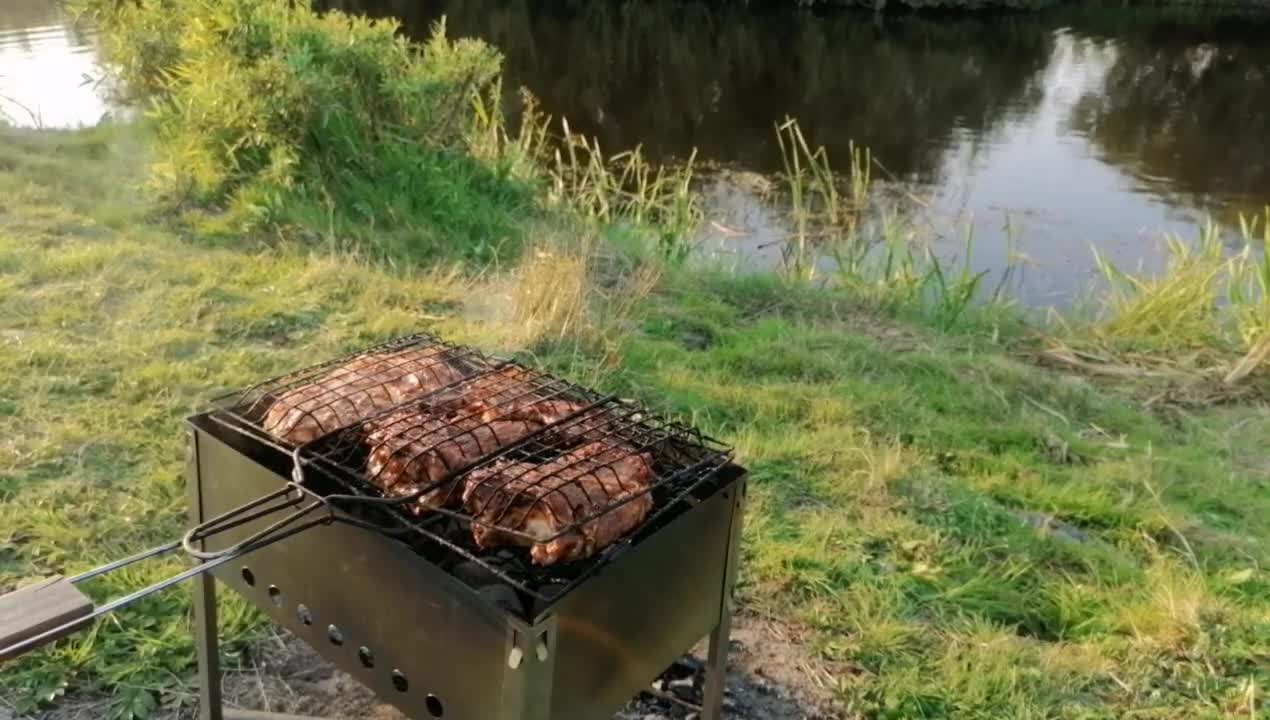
541, 501
415, 449
411, 451
563, 509
514, 393
351, 392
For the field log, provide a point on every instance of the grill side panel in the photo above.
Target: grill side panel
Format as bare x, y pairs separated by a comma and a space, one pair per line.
624, 626
444, 640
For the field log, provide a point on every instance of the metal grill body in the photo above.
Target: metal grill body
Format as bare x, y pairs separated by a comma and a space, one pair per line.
435, 645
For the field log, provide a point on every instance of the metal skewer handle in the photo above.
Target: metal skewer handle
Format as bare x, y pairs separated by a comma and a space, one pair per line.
48, 611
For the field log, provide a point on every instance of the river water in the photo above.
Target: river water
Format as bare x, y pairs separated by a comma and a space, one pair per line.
1046, 133
48, 67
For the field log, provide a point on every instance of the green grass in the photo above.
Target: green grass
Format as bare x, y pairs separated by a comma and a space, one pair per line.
330, 129
967, 535
973, 537
336, 131
113, 330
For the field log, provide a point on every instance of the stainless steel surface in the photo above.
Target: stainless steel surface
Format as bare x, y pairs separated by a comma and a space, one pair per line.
207, 648
623, 627
206, 641
368, 591
343, 589
716, 670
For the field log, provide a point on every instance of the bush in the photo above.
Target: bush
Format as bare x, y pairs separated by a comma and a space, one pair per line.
281, 115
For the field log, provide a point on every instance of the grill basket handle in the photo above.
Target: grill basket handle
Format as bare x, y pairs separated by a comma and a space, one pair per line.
48, 611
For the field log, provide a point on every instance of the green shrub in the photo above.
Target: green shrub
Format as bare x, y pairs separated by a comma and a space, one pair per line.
286, 117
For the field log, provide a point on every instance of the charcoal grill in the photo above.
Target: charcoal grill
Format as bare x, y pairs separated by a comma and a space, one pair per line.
408, 604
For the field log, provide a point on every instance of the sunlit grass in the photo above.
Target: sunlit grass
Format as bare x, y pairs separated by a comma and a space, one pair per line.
1200, 327
1177, 309
112, 332
963, 533
971, 536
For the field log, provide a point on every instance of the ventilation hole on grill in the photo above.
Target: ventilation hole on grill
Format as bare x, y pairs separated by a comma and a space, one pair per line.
435, 708
305, 615
275, 595
366, 656
249, 577
337, 637
400, 682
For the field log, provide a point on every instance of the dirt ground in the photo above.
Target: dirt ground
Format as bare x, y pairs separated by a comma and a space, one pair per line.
770, 678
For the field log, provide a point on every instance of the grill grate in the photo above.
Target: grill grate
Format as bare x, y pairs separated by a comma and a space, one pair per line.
500, 456
512, 469
516, 440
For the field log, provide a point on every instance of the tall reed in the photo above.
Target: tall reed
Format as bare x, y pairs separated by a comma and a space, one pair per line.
823, 214
627, 188
874, 249
1209, 304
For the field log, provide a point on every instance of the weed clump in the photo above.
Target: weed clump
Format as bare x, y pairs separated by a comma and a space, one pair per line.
1202, 326
334, 123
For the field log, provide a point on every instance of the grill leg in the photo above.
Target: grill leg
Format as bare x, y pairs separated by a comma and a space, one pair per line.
716, 670
720, 637
207, 646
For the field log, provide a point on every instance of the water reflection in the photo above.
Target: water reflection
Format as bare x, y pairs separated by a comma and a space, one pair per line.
48, 67
1043, 133
680, 76
1185, 106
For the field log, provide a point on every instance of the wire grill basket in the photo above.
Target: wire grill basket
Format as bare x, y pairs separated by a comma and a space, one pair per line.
425, 437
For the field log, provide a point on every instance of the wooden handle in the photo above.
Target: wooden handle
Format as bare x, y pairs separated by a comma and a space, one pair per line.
36, 609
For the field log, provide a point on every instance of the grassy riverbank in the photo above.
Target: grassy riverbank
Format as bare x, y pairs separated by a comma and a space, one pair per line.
969, 534
970, 522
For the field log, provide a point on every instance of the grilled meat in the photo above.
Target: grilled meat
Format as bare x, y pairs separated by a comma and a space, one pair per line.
606, 422
411, 451
356, 390
418, 447
514, 393
414, 449
566, 494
